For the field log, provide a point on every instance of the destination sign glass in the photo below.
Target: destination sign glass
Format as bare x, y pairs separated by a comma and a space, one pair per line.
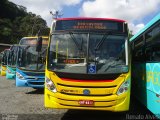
89, 25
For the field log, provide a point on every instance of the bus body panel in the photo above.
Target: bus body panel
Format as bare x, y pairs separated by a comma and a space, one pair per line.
29, 81
117, 104
104, 96
146, 65
153, 87
147, 83
10, 73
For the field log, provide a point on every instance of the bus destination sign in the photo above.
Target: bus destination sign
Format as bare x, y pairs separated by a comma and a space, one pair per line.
89, 25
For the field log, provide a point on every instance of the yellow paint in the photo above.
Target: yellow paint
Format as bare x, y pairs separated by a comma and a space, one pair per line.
153, 77
3, 70
104, 98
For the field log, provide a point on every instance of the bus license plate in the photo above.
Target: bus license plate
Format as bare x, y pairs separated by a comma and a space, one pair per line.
86, 102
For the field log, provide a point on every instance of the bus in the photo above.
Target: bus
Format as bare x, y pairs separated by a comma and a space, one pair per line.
12, 62
4, 62
30, 69
146, 65
88, 65
1, 56
3, 46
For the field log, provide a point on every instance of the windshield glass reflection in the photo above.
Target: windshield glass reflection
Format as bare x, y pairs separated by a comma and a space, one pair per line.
77, 52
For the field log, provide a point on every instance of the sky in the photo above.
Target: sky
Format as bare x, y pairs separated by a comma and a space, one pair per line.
136, 12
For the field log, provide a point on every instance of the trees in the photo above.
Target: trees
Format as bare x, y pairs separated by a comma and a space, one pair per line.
16, 23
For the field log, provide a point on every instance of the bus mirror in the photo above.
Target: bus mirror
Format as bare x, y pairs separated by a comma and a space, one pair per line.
39, 44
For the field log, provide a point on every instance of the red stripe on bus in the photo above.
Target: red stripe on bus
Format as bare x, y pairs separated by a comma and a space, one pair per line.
88, 18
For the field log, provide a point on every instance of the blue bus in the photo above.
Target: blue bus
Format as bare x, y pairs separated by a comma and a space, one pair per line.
30, 69
12, 62
146, 65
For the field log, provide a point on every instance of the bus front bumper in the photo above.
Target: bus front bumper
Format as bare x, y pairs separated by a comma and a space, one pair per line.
10, 75
3, 71
34, 83
110, 103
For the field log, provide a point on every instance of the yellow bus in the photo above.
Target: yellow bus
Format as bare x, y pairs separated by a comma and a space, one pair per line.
4, 62
88, 65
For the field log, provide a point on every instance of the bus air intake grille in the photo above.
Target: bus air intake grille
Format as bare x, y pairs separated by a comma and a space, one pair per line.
95, 95
113, 86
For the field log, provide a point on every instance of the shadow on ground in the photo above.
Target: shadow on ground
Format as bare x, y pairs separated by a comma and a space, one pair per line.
36, 91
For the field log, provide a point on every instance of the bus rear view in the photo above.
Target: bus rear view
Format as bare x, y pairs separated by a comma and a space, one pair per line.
88, 66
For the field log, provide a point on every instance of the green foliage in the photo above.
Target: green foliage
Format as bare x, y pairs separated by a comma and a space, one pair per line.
16, 23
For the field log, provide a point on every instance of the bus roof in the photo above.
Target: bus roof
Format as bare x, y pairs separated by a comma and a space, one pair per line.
90, 18
3, 44
35, 37
149, 24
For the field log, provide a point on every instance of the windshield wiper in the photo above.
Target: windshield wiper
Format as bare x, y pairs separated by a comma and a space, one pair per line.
101, 41
75, 41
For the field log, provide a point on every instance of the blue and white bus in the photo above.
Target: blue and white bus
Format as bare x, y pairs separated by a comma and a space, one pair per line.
146, 65
30, 69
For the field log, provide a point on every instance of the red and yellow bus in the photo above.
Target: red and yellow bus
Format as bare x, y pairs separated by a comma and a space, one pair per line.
88, 65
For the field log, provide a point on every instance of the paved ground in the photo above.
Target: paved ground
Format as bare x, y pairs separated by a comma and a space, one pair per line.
27, 104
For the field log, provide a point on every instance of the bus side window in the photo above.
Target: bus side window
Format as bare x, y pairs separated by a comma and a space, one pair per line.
156, 55
148, 54
138, 56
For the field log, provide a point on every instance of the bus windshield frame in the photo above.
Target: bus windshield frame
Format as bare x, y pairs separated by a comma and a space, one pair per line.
12, 58
30, 59
83, 44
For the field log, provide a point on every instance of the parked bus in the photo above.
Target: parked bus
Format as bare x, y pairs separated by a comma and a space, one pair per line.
31, 63
12, 62
146, 65
88, 65
1, 56
4, 62
2, 48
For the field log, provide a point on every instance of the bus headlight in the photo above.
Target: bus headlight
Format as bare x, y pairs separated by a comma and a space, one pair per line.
124, 87
9, 71
19, 76
3, 69
50, 85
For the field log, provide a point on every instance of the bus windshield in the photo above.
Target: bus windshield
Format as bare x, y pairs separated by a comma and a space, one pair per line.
5, 57
30, 59
77, 52
1, 56
12, 58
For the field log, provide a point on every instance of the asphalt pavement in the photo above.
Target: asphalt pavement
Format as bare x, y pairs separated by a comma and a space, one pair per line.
19, 103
